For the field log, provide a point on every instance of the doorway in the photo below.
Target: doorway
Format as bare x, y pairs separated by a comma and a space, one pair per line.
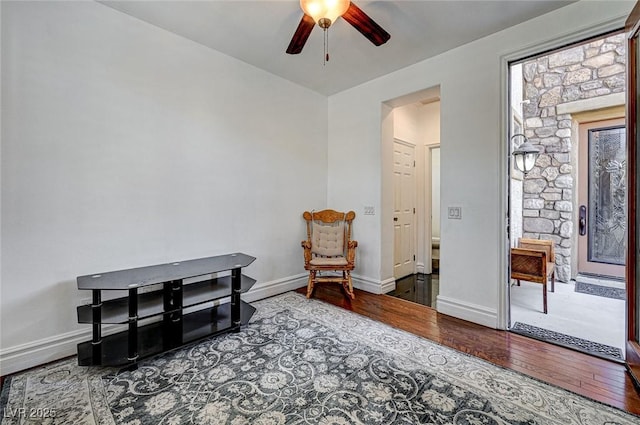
562, 102
411, 131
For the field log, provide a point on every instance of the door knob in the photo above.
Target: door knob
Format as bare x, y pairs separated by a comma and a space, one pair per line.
582, 223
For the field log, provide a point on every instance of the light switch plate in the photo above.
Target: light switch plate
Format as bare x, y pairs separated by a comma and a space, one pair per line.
454, 213
368, 210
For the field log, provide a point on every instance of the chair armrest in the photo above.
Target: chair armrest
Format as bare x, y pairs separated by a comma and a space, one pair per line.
307, 251
351, 252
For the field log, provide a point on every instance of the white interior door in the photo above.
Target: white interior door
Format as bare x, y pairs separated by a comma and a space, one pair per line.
404, 187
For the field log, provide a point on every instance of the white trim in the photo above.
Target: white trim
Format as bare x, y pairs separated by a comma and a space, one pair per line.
35, 353
467, 311
428, 211
428, 205
420, 267
24, 356
388, 285
503, 312
374, 286
275, 287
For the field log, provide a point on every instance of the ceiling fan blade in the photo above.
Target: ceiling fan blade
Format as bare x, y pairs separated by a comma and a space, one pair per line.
367, 26
300, 36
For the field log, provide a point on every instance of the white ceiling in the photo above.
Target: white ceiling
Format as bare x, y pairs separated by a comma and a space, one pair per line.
258, 33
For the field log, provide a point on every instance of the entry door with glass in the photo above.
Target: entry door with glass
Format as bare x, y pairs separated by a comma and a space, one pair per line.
602, 191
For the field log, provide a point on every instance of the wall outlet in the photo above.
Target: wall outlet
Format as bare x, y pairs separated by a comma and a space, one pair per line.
454, 213
368, 210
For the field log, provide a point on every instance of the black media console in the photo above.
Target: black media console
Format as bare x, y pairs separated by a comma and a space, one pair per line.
166, 325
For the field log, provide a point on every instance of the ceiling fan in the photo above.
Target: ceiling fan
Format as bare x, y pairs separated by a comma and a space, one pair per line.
325, 12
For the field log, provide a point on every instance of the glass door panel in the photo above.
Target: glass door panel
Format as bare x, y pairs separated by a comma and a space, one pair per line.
607, 195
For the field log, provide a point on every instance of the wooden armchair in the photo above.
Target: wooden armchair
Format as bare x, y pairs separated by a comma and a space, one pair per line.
534, 261
329, 248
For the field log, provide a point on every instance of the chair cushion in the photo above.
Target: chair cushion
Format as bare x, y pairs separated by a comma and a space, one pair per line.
325, 261
328, 240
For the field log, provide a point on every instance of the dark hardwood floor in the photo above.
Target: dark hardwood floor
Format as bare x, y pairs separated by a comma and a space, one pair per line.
592, 377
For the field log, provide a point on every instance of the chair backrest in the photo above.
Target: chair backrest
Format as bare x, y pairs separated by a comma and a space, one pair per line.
539, 244
328, 231
529, 264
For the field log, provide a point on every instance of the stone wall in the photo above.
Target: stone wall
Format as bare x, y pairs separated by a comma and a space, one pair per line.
582, 72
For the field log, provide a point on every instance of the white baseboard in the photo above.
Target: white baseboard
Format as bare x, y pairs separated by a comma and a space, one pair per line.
373, 285
388, 285
275, 287
24, 356
467, 311
35, 353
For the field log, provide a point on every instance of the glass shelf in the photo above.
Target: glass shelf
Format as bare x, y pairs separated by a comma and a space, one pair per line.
160, 273
161, 336
151, 303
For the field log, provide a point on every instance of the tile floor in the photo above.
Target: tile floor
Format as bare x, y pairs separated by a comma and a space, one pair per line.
594, 318
419, 288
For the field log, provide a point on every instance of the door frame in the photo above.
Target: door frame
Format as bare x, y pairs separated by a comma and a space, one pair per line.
504, 288
428, 207
582, 244
632, 348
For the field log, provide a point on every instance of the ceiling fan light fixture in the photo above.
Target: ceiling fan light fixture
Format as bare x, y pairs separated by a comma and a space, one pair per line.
324, 12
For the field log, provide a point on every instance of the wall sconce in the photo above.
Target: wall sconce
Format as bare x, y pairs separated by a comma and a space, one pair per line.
525, 155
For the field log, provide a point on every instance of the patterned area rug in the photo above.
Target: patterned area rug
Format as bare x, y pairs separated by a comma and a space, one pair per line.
300, 362
584, 345
601, 291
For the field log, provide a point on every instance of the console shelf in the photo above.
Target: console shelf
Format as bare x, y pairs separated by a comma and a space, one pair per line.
151, 303
158, 337
172, 329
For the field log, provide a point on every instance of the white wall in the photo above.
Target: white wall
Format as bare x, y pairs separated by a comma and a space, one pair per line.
473, 266
124, 145
407, 123
430, 118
